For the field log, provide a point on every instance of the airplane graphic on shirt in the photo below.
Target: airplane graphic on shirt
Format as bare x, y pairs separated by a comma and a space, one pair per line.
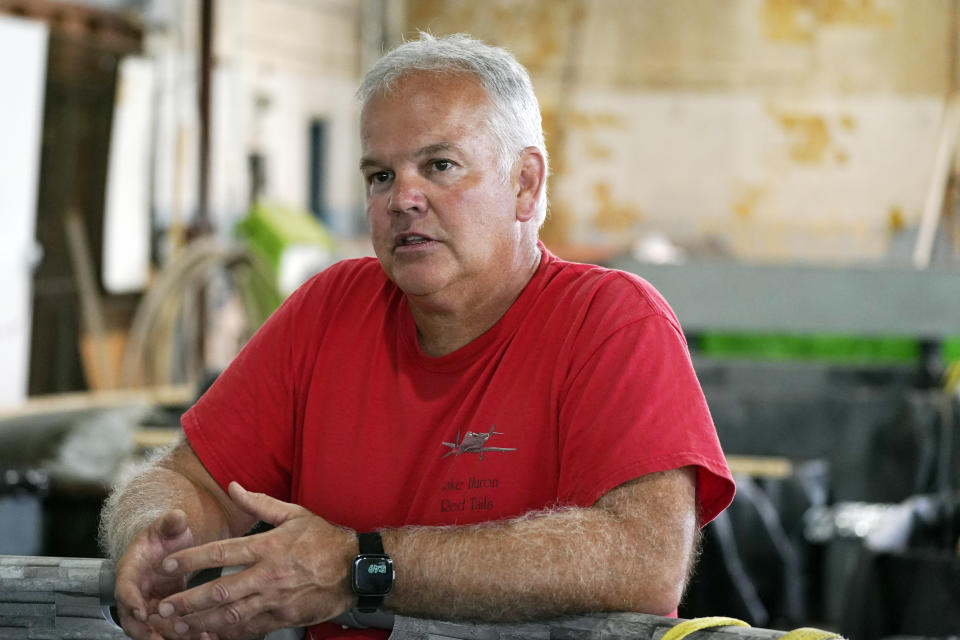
473, 442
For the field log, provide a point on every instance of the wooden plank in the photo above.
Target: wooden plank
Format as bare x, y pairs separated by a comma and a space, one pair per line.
760, 466
155, 437
66, 403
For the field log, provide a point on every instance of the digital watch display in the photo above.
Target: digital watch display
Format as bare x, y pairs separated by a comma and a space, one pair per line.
372, 574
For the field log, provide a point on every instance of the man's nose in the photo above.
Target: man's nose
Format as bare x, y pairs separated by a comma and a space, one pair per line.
407, 195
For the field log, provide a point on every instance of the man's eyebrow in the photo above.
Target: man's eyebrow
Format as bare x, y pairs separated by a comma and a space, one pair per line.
439, 147
368, 162
429, 150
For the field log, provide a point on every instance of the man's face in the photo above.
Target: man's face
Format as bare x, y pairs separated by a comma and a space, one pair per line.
442, 219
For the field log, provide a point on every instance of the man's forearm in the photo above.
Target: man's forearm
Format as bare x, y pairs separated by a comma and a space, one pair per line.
633, 556
155, 489
631, 551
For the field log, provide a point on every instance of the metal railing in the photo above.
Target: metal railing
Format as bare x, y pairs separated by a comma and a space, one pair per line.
69, 598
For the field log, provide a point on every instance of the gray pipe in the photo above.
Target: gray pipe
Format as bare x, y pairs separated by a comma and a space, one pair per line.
69, 598
56, 598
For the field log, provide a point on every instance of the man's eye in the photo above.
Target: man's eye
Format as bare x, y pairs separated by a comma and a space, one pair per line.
379, 177
442, 165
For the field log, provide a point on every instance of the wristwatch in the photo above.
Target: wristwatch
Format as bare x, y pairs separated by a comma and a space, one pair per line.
372, 575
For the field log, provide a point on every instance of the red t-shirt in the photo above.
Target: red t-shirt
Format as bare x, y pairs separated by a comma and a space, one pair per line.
585, 383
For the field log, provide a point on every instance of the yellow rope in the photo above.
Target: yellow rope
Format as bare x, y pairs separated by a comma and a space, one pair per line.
687, 627
809, 633
952, 377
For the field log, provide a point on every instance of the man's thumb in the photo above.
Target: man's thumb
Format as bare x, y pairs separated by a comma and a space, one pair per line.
260, 505
172, 524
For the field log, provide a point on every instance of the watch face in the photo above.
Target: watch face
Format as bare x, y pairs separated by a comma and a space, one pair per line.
372, 575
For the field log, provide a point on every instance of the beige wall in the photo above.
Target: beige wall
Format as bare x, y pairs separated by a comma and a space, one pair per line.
773, 130
281, 64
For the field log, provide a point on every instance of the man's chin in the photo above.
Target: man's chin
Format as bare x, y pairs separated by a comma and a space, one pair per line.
418, 289
418, 278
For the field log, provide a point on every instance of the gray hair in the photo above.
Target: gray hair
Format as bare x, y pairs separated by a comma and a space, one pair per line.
514, 120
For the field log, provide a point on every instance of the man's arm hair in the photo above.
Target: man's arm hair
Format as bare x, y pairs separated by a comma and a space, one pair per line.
632, 551
173, 478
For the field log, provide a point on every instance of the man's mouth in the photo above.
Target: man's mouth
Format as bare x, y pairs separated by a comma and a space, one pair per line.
411, 239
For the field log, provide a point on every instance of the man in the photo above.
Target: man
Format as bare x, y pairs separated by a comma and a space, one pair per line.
522, 436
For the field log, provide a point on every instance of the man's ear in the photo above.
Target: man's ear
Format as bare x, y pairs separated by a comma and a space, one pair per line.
530, 174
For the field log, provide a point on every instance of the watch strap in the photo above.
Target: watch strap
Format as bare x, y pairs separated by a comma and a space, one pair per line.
368, 604
369, 544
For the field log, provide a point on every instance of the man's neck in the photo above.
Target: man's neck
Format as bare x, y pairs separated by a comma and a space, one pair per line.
448, 322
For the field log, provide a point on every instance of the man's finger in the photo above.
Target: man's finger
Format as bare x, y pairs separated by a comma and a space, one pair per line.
262, 506
134, 628
221, 553
260, 625
161, 628
215, 593
139, 630
243, 618
129, 598
172, 524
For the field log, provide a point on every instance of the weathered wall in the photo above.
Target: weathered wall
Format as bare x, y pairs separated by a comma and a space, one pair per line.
773, 130
281, 64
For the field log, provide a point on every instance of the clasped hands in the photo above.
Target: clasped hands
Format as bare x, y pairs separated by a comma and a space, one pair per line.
296, 574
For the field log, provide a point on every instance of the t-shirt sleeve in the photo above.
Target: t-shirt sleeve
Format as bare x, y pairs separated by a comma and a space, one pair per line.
243, 428
634, 406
